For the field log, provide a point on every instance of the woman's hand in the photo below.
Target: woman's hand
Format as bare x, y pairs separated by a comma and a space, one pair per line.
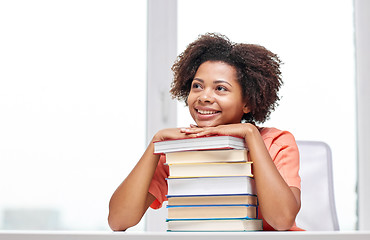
238, 130
171, 133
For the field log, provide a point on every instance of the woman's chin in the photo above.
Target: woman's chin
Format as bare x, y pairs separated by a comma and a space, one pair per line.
206, 124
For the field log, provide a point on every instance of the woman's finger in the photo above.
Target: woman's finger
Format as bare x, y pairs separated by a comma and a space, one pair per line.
191, 130
208, 132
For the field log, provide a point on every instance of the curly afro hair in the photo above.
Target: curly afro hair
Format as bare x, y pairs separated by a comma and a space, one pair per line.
258, 72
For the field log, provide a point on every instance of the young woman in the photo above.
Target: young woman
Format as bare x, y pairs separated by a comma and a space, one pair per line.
229, 88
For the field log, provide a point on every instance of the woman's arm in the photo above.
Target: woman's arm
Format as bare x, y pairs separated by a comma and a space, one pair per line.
131, 199
279, 203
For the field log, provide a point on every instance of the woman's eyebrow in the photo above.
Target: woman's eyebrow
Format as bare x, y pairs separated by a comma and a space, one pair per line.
198, 79
215, 82
222, 81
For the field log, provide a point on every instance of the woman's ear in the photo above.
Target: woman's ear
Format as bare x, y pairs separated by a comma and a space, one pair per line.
246, 109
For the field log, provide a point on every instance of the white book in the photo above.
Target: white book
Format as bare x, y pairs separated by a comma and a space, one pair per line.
209, 225
199, 143
211, 186
213, 199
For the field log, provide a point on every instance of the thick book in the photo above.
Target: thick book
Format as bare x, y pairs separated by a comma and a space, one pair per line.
213, 200
210, 225
229, 155
199, 143
211, 186
211, 211
210, 169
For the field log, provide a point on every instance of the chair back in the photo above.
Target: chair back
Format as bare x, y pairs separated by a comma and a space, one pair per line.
318, 211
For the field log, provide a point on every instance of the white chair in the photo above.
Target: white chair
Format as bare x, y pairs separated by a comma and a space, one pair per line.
318, 211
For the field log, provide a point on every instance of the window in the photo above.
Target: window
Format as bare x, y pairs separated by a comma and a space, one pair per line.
72, 109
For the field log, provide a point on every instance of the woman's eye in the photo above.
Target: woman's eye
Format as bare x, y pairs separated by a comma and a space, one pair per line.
221, 88
196, 85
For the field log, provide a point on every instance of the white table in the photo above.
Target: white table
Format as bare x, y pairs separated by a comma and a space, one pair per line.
71, 235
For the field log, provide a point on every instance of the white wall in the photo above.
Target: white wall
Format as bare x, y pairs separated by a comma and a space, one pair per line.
161, 109
362, 24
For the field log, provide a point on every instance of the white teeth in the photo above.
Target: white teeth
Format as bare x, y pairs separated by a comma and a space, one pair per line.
206, 112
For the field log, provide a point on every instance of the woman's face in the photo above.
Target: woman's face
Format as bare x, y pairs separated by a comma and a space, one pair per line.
215, 96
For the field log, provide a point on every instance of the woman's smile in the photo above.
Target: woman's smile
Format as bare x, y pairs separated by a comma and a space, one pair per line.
206, 112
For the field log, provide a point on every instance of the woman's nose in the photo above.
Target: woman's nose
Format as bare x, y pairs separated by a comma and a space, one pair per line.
206, 97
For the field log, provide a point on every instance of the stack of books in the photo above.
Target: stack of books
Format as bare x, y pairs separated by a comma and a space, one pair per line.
210, 185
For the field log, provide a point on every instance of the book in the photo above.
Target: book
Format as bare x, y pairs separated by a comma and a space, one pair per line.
229, 155
210, 169
218, 225
199, 143
211, 185
213, 200
211, 211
